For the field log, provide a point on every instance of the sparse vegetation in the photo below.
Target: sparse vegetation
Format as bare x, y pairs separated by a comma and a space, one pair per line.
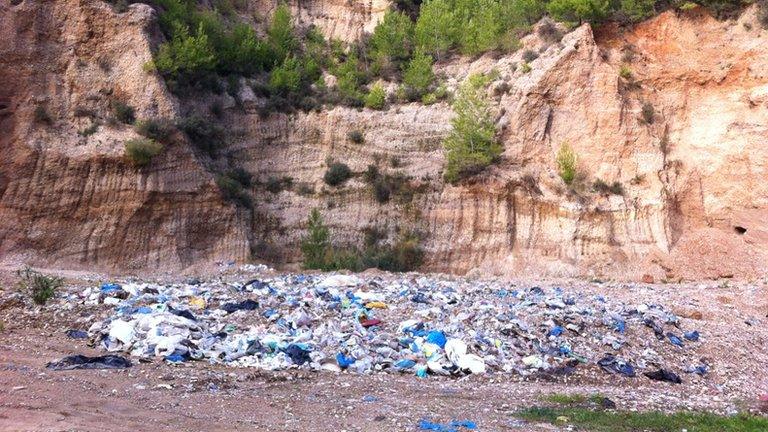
566, 164
40, 287
41, 115
319, 252
418, 75
356, 136
123, 112
648, 113
530, 55
276, 185
159, 130
141, 151
241, 176
611, 421
385, 186
376, 97
231, 186
625, 72
90, 130
471, 145
204, 134
603, 188
337, 174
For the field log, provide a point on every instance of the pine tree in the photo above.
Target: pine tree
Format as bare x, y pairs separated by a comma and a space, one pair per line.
436, 29
315, 245
471, 145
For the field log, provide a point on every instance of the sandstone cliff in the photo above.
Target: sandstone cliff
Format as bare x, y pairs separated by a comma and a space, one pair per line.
695, 202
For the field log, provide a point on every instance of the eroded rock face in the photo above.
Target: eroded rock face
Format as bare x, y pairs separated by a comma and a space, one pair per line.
695, 202
345, 20
71, 200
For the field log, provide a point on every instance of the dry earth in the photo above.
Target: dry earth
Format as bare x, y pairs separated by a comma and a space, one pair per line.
197, 396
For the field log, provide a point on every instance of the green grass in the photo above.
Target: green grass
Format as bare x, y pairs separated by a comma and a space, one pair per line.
572, 398
607, 421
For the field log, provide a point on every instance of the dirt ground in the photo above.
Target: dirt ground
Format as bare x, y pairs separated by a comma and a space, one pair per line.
197, 396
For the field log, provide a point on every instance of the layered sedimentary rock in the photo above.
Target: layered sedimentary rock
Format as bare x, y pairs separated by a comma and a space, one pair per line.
694, 202
71, 200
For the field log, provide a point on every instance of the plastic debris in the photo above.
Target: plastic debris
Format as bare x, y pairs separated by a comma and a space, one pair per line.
674, 340
691, 336
386, 324
243, 305
77, 334
85, 362
664, 375
453, 426
613, 364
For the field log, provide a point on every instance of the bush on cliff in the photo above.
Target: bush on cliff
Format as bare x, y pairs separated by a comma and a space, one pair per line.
141, 151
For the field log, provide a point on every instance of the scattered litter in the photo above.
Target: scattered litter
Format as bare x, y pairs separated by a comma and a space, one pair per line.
664, 375
85, 362
453, 426
365, 324
77, 334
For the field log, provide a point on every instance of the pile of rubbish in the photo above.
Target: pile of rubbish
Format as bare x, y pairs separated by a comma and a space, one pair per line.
392, 324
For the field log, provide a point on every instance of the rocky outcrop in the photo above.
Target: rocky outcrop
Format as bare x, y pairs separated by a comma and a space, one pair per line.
71, 200
693, 205
343, 20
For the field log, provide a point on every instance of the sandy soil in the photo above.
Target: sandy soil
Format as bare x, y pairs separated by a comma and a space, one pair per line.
198, 396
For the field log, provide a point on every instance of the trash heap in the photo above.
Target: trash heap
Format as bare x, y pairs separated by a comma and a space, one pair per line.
393, 323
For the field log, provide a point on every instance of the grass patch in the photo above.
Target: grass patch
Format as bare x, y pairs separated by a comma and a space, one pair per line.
606, 421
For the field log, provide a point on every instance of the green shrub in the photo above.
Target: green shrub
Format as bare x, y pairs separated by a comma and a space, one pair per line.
525, 68
418, 75
276, 185
549, 32
204, 134
157, 129
141, 151
636, 10
319, 253
280, 34
356, 136
429, 99
471, 144
286, 78
123, 112
392, 38
41, 115
305, 189
436, 29
592, 11
233, 190
90, 130
648, 113
337, 174
186, 55
376, 97
625, 72
530, 55
315, 245
349, 78
405, 255
241, 176
40, 287
243, 53
566, 163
